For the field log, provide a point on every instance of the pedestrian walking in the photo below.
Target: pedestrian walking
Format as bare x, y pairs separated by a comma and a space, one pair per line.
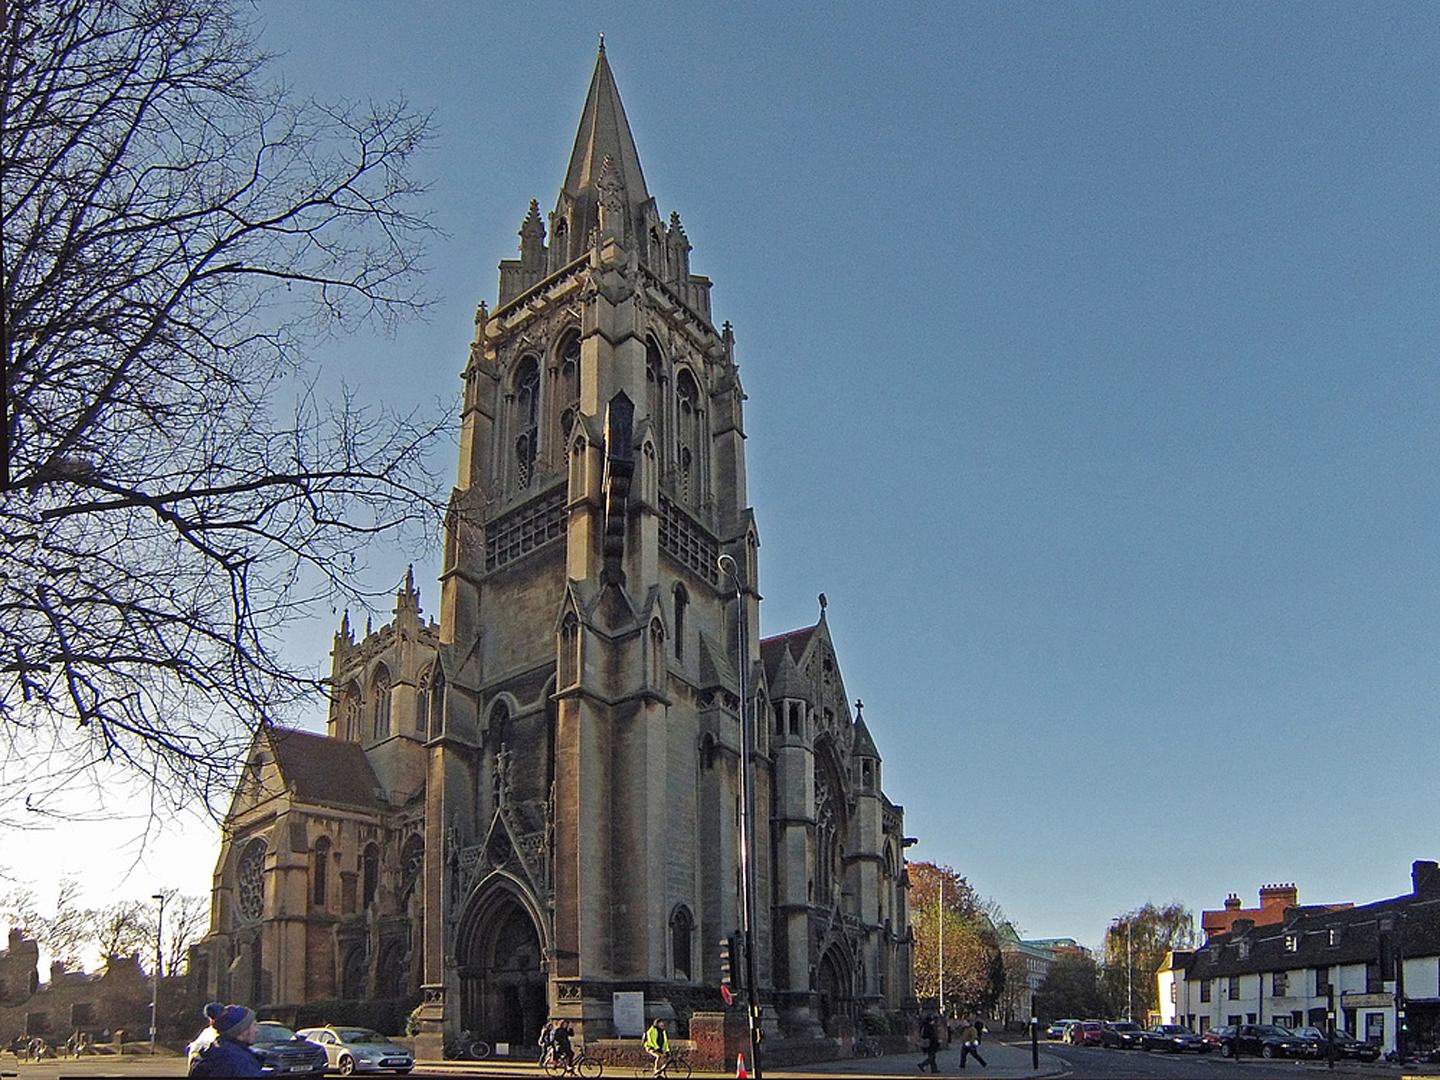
970, 1046
930, 1043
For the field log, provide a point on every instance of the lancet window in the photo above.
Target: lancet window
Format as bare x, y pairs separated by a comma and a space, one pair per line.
656, 383
688, 419
525, 419
320, 872
380, 690
568, 391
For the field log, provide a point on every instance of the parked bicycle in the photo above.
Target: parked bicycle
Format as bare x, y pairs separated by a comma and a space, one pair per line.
468, 1047
675, 1065
867, 1046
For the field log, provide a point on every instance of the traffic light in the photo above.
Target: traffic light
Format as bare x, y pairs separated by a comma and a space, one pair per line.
727, 950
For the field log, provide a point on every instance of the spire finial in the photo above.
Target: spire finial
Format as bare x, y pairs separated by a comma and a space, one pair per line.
602, 41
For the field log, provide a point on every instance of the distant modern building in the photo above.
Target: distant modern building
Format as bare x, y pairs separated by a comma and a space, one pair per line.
1036, 959
1059, 947
1370, 964
1275, 900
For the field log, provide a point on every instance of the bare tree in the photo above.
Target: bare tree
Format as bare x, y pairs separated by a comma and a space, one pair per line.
176, 230
187, 920
65, 935
121, 928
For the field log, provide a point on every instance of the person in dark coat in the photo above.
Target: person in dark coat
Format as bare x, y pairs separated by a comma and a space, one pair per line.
230, 1053
930, 1043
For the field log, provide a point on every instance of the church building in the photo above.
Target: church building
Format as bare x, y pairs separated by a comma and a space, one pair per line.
531, 804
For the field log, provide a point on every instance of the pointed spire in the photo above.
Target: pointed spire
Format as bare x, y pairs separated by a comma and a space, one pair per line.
604, 133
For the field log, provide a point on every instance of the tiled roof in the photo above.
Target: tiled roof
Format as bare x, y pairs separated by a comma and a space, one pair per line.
319, 769
1357, 938
773, 648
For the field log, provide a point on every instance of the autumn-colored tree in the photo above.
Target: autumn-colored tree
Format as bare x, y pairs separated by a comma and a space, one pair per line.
944, 906
1136, 944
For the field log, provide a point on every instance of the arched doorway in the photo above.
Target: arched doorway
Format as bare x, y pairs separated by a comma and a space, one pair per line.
502, 982
833, 982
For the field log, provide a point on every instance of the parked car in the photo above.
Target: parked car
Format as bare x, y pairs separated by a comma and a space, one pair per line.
1120, 1035
1086, 1033
1268, 1041
1059, 1029
1346, 1045
1172, 1038
355, 1049
281, 1051
1215, 1038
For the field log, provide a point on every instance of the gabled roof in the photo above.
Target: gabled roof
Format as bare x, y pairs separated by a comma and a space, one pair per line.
1309, 938
715, 666
319, 769
773, 648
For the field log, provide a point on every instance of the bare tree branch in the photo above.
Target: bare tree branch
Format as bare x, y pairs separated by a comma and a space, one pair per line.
176, 231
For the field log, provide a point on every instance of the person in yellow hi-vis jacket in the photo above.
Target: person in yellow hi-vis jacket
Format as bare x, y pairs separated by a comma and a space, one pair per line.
657, 1043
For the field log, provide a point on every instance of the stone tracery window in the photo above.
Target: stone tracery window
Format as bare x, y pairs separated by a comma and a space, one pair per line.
568, 392
422, 702
525, 413
250, 881
828, 824
687, 437
380, 688
350, 714
655, 385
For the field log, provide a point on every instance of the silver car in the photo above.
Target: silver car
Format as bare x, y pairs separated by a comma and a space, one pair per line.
357, 1049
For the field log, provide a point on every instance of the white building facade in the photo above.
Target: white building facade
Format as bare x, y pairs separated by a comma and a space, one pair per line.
1375, 967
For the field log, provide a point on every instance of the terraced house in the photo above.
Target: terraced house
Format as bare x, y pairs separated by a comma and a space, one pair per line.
1375, 966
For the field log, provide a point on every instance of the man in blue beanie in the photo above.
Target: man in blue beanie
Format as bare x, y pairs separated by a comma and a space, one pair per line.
230, 1053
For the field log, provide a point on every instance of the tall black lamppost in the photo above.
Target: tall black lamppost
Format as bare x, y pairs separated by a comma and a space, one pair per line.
155, 992
728, 567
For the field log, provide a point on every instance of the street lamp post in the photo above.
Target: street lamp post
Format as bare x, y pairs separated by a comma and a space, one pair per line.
940, 913
730, 569
155, 992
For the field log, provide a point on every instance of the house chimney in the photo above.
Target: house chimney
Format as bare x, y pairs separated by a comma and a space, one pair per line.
1279, 896
1425, 877
1232, 902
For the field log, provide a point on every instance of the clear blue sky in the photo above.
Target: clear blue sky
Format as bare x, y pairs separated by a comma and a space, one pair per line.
1091, 361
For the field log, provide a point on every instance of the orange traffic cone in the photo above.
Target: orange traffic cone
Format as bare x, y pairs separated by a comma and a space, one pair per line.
740, 1073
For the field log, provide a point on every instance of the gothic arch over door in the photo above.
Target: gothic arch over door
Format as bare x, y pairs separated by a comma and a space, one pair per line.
502, 980
833, 981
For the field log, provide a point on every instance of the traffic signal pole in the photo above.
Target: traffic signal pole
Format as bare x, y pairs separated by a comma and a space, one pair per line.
728, 567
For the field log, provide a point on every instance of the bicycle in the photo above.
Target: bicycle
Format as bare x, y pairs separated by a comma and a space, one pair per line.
580, 1064
468, 1047
867, 1046
675, 1065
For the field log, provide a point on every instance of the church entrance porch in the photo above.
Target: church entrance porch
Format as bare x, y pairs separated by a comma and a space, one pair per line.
502, 980
834, 983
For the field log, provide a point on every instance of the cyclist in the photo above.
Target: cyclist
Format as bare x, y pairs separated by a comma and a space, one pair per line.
657, 1043
561, 1050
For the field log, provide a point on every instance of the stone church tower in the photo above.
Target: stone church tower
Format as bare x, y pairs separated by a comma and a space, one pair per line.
565, 743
